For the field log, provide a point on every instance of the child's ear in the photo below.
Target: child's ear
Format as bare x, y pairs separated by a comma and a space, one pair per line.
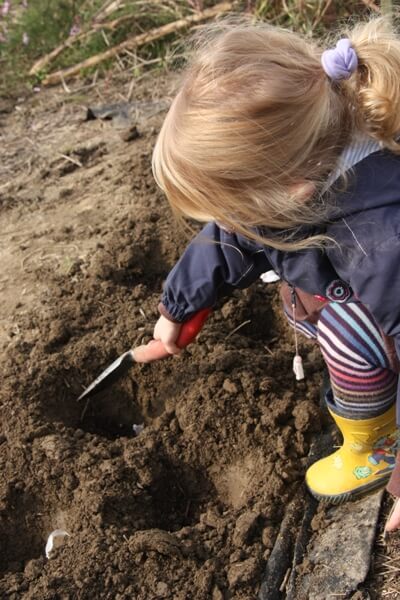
303, 190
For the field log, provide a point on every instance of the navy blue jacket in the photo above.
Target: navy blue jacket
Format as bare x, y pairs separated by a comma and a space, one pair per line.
365, 263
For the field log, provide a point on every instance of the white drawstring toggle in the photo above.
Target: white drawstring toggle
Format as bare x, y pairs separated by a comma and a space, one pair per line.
298, 367
297, 360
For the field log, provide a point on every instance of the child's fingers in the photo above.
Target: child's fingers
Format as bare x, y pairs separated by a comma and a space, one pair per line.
393, 521
171, 347
167, 332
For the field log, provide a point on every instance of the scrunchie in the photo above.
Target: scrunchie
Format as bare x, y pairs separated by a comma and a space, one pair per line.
340, 62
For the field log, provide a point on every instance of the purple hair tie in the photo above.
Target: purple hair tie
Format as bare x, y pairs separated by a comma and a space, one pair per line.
340, 62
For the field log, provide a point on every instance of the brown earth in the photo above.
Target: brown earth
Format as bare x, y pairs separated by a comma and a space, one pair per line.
189, 508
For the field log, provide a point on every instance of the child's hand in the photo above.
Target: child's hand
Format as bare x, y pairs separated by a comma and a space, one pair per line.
393, 521
167, 332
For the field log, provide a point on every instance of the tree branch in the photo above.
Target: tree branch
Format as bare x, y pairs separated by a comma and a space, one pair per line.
137, 41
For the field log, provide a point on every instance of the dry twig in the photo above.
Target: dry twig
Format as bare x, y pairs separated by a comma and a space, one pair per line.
74, 161
237, 328
40, 64
321, 14
138, 40
107, 9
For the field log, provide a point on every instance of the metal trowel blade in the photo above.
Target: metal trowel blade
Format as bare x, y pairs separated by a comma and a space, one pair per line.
111, 374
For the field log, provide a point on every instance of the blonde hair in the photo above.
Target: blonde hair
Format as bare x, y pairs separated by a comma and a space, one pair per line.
256, 115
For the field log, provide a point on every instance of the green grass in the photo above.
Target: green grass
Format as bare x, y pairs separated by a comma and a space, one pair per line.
44, 24
30, 32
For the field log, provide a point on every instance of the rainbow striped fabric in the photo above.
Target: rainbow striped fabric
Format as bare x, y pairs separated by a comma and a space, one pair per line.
363, 383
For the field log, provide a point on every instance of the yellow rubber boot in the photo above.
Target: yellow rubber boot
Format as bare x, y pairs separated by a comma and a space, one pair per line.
364, 462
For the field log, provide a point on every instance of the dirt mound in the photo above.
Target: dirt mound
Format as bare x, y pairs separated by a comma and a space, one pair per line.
190, 506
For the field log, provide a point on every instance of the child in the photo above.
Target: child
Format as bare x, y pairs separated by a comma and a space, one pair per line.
290, 155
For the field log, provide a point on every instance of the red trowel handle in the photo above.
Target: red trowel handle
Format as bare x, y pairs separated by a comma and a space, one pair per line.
191, 328
155, 350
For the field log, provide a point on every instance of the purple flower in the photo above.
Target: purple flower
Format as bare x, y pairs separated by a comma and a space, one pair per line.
75, 29
5, 8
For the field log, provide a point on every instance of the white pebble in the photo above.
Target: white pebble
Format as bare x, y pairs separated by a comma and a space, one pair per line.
55, 540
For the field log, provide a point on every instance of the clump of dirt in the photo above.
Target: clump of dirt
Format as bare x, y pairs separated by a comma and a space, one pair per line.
190, 506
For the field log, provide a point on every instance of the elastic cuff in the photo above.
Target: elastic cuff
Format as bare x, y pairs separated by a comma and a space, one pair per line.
163, 311
173, 311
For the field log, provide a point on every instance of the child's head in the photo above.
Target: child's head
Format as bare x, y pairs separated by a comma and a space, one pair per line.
257, 116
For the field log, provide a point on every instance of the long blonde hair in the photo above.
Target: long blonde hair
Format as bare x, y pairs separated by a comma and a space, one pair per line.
256, 115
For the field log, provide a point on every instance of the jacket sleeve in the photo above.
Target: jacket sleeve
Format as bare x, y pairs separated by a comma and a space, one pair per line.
375, 280
214, 263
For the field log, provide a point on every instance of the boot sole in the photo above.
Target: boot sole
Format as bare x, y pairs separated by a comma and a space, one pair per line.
363, 490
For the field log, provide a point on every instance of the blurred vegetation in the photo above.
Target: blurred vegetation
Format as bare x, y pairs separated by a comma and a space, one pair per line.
29, 29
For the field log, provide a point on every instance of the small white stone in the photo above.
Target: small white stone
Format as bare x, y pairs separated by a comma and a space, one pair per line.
55, 540
138, 428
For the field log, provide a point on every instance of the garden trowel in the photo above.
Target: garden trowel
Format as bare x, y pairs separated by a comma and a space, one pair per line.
152, 351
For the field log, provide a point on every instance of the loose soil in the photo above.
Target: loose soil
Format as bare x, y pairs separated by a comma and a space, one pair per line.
190, 507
